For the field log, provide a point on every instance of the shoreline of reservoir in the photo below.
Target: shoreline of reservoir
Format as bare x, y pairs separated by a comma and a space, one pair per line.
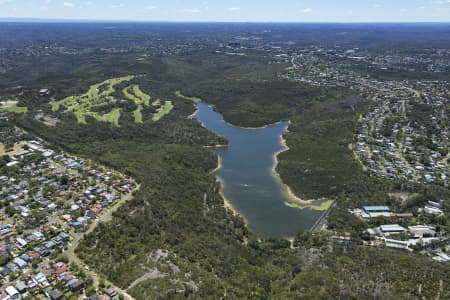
256, 187
219, 165
287, 189
228, 204
255, 128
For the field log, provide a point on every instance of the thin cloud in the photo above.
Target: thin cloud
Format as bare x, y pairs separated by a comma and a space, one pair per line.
68, 4
192, 11
234, 9
118, 5
307, 10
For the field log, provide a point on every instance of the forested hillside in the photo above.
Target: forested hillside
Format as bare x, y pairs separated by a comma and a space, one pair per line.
175, 239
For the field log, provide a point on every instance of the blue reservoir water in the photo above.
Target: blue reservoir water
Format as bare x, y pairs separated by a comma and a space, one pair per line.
248, 177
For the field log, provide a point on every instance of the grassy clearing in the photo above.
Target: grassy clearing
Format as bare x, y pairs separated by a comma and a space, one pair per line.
11, 106
156, 103
17, 149
162, 111
323, 206
17, 110
193, 99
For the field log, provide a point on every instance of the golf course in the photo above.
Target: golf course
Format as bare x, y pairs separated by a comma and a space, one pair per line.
101, 103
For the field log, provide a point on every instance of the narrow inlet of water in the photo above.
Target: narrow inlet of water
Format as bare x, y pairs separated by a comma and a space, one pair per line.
249, 181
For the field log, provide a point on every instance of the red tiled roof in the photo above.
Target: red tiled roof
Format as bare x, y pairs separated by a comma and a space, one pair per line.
60, 271
96, 210
33, 255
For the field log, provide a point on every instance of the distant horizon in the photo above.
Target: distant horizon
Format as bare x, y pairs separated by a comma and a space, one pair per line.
232, 11
75, 20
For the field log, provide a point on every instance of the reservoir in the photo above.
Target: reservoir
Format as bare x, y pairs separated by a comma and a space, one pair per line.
249, 181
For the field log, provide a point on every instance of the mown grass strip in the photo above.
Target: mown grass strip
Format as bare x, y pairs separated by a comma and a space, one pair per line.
145, 98
14, 109
112, 117
162, 111
138, 115
193, 99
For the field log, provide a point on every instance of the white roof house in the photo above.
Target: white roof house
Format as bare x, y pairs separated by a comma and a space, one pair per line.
20, 263
12, 292
433, 210
392, 228
391, 243
397, 244
21, 242
12, 163
38, 235
441, 257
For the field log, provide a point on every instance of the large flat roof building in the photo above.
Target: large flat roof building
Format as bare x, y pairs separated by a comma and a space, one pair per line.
374, 209
392, 228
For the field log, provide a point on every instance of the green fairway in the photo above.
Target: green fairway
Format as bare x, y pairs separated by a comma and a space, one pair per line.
193, 99
141, 99
141, 95
162, 111
112, 117
81, 117
138, 115
56, 105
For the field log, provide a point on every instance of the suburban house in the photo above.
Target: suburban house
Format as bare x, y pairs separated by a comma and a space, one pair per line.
56, 295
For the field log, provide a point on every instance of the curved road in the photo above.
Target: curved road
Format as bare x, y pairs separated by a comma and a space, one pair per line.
106, 216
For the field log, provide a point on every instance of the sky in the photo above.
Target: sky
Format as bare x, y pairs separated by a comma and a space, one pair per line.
232, 10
